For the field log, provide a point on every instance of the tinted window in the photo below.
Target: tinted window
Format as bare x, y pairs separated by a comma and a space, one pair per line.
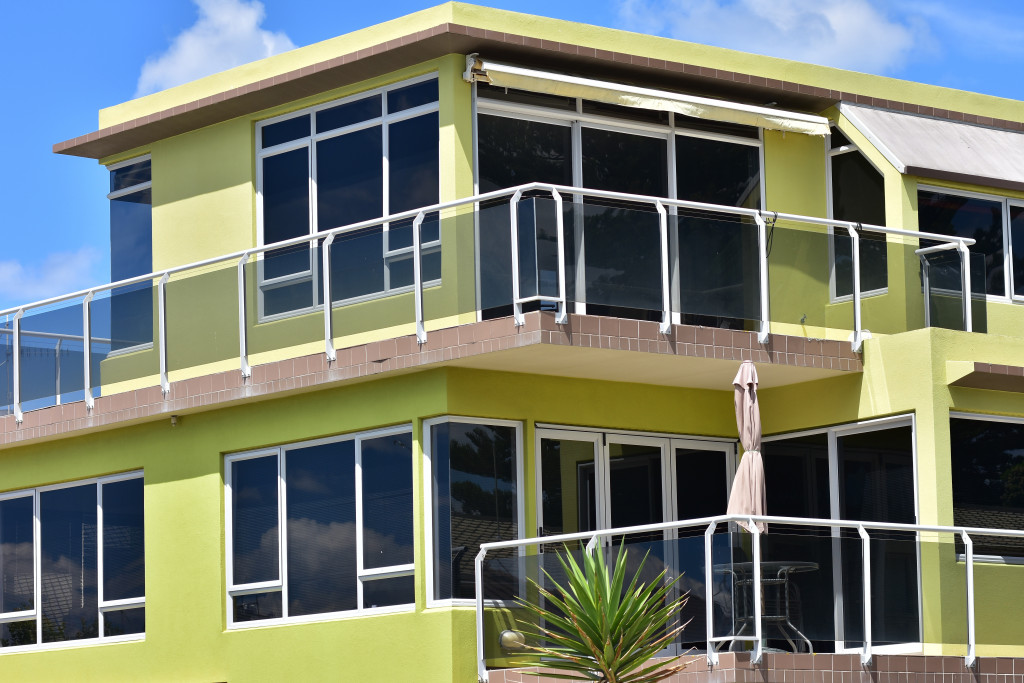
285, 131
988, 480
413, 163
254, 513
350, 178
132, 174
717, 172
858, 195
124, 560
979, 219
348, 114
1017, 247
69, 563
412, 96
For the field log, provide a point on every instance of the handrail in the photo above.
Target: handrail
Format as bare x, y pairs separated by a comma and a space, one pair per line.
861, 527
487, 196
515, 194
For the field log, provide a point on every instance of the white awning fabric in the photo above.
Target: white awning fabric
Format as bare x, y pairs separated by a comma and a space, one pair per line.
520, 78
939, 148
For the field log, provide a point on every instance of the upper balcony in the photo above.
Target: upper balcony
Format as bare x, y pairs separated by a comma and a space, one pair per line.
504, 253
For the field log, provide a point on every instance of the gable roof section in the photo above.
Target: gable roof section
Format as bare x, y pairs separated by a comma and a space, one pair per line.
943, 149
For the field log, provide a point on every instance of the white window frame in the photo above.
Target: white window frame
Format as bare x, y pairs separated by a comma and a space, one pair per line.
602, 437
830, 154
280, 585
578, 120
103, 606
833, 434
1005, 202
309, 142
984, 417
117, 194
429, 501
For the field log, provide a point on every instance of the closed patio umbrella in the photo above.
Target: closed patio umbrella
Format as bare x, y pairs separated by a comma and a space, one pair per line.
748, 495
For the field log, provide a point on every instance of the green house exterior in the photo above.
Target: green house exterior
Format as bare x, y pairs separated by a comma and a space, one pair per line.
294, 522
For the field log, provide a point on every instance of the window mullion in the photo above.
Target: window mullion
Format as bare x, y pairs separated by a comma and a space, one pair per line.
282, 516
99, 557
358, 474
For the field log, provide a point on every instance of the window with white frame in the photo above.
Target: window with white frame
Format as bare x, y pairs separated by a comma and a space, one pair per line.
857, 195
476, 476
341, 163
987, 458
131, 254
72, 563
321, 528
997, 225
613, 247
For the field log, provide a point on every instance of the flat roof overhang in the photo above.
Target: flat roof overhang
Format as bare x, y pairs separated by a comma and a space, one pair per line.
451, 38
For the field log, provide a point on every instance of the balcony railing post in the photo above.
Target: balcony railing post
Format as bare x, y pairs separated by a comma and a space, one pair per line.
161, 299
762, 260
562, 317
328, 307
971, 657
666, 292
16, 360
865, 655
56, 372
857, 338
755, 536
925, 275
87, 349
513, 212
481, 661
243, 343
417, 274
709, 608
965, 276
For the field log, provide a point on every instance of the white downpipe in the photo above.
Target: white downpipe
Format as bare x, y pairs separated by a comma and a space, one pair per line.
161, 298
16, 360
762, 256
971, 657
709, 611
243, 344
417, 276
562, 317
481, 660
90, 402
865, 655
328, 304
755, 537
965, 274
666, 302
513, 211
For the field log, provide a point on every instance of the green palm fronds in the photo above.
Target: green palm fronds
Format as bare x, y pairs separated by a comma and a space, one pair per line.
597, 630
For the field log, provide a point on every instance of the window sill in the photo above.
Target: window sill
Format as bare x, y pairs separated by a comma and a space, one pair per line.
319, 618
71, 644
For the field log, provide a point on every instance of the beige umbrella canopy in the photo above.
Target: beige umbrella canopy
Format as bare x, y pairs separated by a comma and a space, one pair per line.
748, 495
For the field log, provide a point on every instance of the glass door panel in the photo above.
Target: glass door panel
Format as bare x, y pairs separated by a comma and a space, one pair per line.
621, 246
635, 488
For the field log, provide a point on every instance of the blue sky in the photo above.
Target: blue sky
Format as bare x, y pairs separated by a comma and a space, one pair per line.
67, 59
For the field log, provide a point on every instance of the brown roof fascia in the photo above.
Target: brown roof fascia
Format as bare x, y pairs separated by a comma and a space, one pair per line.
455, 38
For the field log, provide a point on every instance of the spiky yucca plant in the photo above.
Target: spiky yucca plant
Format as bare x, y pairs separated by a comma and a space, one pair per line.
599, 632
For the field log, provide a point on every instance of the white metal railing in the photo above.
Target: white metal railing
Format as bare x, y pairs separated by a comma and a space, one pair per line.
711, 523
515, 195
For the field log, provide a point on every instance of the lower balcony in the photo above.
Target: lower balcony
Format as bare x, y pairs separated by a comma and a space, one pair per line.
847, 600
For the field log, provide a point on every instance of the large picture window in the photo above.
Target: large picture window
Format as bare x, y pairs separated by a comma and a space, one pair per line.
987, 219
131, 255
987, 458
353, 160
72, 563
612, 247
323, 527
857, 195
476, 478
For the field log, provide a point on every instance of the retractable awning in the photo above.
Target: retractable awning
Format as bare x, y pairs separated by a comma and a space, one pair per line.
520, 78
939, 148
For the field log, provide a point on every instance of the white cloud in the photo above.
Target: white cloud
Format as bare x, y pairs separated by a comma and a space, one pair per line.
850, 34
59, 273
226, 34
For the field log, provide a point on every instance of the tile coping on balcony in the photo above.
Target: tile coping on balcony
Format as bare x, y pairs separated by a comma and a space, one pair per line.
993, 377
442, 346
778, 667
